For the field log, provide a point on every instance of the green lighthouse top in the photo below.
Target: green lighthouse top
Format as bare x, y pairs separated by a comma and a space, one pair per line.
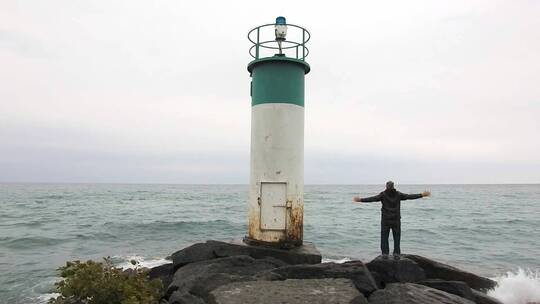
279, 41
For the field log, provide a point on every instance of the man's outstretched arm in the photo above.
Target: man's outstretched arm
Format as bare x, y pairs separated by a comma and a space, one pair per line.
405, 196
376, 198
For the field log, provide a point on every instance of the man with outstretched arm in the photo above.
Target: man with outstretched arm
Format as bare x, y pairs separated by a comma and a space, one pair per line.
390, 214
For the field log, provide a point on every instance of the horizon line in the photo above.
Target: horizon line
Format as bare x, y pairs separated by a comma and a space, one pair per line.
247, 184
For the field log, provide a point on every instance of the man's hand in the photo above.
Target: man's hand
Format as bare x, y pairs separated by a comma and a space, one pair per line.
356, 199
426, 193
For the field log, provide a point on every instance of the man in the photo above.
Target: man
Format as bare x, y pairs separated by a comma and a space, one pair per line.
390, 215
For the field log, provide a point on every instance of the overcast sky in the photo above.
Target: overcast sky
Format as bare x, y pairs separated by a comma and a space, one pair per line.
158, 91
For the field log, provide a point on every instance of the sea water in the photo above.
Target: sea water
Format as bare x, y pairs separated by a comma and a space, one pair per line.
492, 230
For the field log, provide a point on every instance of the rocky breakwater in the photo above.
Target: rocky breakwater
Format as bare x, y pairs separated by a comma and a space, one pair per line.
226, 273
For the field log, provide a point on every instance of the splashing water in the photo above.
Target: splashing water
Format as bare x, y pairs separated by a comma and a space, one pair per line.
338, 261
521, 287
139, 262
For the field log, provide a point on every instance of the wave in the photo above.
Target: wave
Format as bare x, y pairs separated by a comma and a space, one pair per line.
520, 287
96, 236
175, 226
125, 262
26, 223
31, 242
52, 196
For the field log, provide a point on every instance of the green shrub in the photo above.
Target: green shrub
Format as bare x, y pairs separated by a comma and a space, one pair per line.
102, 283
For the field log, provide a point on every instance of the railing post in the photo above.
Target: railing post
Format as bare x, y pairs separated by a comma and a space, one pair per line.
303, 44
257, 45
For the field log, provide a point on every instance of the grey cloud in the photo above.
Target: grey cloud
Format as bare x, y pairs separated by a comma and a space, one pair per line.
158, 92
21, 44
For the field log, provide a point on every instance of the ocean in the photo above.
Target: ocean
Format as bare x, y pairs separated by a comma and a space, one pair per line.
492, 230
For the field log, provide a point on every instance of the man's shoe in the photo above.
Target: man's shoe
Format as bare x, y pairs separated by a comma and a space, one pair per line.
397, 256
384, 256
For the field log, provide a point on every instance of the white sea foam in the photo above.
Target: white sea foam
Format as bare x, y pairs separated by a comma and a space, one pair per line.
141, 262
339, 261
519, 287
44, 298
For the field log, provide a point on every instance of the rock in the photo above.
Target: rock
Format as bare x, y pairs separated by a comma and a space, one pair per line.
482, 298
356, 271
199, 278
457, 288
409, 293
436, 270
306, 254
308, 291
184, 298
163, 272
194, 253
359, 300
392, 270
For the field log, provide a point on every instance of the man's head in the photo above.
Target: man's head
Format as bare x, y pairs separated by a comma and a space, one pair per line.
390, 185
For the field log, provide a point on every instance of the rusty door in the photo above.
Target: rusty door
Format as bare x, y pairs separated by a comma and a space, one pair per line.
273, 204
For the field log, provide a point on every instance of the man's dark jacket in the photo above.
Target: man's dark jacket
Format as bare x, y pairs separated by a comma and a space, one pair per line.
391, 202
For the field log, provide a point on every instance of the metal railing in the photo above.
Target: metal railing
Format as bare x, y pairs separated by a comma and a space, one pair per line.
260, 37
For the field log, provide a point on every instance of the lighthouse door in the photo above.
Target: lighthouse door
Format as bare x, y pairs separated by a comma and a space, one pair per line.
273, 204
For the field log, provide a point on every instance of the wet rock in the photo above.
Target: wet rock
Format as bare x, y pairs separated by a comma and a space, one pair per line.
409, 293
356, 271
306, 254
482, 298
163, 272
392, 270
308, 291
457, 288
199, 278
436, 270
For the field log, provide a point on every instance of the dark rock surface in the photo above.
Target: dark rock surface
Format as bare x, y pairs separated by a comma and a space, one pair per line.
194, 253
219, 272
306, 254
306, 291
184, 298
392, 270
199, 278
356, 271
482, 298
163, 272
436, 270
409, 293
457, 288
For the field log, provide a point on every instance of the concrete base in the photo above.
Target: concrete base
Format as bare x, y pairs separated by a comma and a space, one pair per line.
306, 253
281, 245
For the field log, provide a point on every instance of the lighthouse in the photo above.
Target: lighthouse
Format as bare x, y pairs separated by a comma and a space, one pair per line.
276, 194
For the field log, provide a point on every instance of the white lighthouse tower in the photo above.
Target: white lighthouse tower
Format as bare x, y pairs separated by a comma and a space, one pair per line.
276, 196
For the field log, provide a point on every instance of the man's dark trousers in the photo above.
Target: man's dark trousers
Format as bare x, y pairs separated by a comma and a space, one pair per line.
385, 233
